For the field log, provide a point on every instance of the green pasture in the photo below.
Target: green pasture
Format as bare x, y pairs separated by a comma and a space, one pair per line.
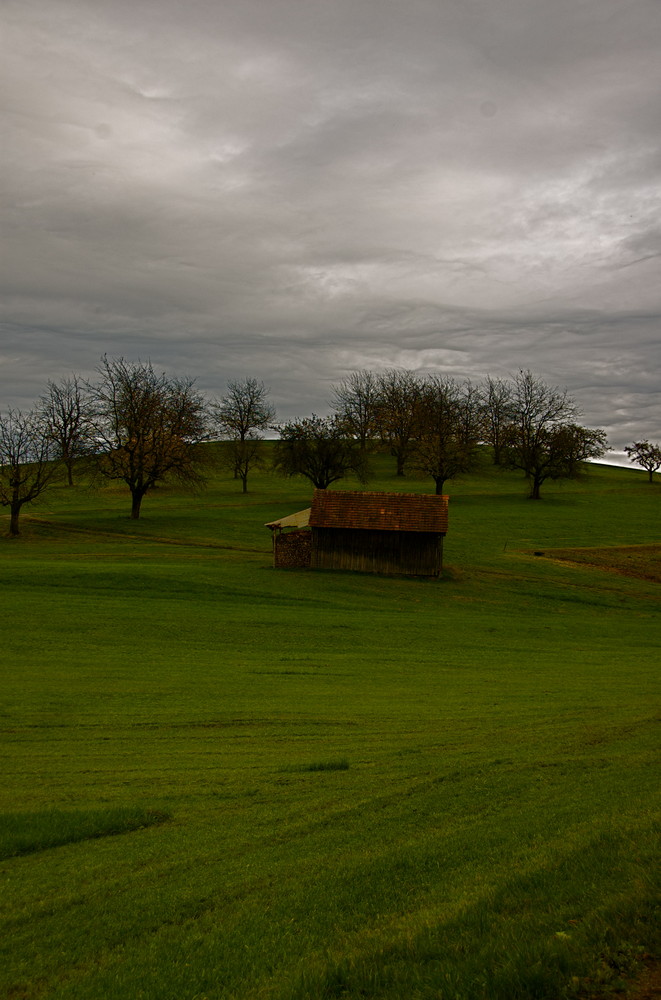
226, 781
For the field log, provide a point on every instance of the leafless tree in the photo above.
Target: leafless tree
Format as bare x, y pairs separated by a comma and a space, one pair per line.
27, 468
497, 407
65, 409
647, 455
241, 457
448, 429
148, 427
244, 410
397, 412
242, 416
542, 437
355, 400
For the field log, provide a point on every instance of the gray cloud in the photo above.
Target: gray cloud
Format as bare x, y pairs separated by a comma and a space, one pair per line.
294, 190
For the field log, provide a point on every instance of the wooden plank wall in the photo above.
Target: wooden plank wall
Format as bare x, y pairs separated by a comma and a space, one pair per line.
397, 552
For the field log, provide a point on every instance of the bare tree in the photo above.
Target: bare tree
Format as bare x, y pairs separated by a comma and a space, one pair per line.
26, 465
242, 416
647, 455
355, 400
148, 427
497, 407
244, 410
542, 438
320, 449
65, 409
397, 412
241, 457
448, 429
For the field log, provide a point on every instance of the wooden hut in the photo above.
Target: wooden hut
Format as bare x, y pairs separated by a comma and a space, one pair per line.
378, 532
365, 531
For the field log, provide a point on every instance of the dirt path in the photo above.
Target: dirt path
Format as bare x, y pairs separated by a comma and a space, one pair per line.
646, 987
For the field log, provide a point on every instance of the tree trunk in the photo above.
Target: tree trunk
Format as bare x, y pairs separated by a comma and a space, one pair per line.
244, 484
15, 509
535, 489
69, 465
440, 483
136, 500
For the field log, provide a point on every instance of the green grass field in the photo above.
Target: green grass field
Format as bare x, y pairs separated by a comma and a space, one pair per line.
226, 781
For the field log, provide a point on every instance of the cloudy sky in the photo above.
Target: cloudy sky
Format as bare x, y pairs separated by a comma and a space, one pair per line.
295, 189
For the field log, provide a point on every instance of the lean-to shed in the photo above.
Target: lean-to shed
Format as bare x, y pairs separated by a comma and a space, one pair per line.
291, 540
369, 532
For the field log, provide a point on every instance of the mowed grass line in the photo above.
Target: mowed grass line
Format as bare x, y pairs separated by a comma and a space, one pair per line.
492, 835
28, 832
403, 909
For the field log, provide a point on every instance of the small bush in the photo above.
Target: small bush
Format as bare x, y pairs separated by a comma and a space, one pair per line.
323, 765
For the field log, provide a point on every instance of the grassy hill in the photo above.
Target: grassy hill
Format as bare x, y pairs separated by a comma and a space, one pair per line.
226, 781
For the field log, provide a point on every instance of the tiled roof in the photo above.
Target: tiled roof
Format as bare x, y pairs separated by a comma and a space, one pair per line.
379, 511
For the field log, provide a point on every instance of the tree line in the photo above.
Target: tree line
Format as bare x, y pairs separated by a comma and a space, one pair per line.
141, 427
435, 426
130, 424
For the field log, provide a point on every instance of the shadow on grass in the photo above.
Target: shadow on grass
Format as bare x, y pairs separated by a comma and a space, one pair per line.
541, 936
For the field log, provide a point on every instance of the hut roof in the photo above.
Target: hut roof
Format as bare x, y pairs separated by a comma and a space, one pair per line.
366, 510
300, 519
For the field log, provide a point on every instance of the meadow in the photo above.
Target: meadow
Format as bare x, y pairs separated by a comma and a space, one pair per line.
222, 781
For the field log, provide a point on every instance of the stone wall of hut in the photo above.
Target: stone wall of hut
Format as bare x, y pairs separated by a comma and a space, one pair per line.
292, 549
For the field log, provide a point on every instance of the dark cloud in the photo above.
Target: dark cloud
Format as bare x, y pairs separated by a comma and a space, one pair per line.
293, 190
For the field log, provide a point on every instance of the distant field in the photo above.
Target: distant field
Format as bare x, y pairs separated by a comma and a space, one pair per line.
224, 781
643, 561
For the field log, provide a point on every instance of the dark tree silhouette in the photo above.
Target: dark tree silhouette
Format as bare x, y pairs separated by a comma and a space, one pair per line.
242, 416
320, 449
542, 438
26, 462
497, 407
448, 429
355, 401
647, 455
244, 410
397, 412
65, 409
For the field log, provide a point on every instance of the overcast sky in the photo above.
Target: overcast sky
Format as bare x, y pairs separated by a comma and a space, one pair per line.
295, 189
